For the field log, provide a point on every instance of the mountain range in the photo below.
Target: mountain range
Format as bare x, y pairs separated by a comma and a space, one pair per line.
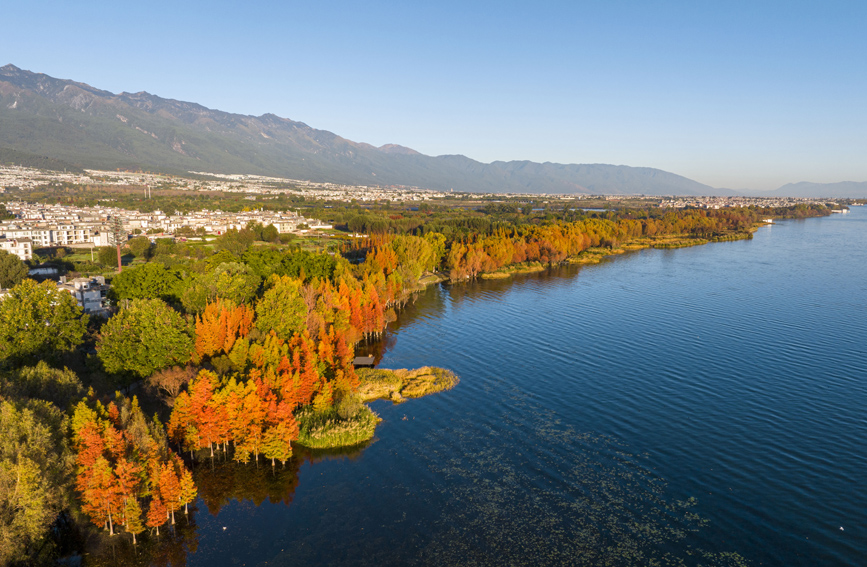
63, 123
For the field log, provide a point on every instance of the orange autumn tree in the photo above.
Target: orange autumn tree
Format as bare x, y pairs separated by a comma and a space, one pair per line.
95, 480
118, 462
157, 513
99, 497
195, 420
188, 489
220, 325
170, 488
256, 414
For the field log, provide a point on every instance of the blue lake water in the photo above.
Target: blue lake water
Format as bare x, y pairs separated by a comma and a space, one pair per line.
694, 406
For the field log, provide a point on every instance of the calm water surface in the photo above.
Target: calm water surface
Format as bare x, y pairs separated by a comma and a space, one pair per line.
694, 406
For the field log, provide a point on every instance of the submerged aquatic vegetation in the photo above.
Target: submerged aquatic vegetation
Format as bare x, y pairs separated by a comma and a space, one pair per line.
566, 498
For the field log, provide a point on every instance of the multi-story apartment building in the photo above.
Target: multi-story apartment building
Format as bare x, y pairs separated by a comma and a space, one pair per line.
39, 235
51, 235
21, 247
64, 235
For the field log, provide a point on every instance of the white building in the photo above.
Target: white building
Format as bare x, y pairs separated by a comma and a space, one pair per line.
21, 247
104, 238
283, 226
89, 293
64, 235
44, 236
40, 236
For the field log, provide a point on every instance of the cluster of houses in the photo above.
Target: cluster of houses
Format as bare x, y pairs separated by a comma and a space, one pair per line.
41, 226
257, 186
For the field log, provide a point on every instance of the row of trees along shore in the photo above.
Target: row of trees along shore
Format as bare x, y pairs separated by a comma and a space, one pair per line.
239, 347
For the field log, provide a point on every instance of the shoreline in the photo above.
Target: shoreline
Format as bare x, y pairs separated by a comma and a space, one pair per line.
594, 255
330, 431
352, 423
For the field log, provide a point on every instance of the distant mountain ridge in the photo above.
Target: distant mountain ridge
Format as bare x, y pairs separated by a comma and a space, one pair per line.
63, 121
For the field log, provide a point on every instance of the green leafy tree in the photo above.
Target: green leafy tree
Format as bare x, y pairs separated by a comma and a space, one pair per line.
140, 246
35, 476
307, 265
133, 518
38, 321
108, 256
264, 233
358, 224
231, 280
220, 257
276, 444
269, 233
414, 254
255, 228
188, 490
60, 387
165, 246
263, 260
437, 243
235, 241
149, 281
282, 308
12, 270
144, 337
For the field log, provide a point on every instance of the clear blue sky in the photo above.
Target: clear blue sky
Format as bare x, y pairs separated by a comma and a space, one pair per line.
737, 94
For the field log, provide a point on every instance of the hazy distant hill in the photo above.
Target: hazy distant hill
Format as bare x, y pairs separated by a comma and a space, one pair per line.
844, 189
74, 123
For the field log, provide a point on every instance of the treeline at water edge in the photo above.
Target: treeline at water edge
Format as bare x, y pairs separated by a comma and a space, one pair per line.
233, 353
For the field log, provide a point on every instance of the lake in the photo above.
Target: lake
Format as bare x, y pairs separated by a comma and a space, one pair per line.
693, 406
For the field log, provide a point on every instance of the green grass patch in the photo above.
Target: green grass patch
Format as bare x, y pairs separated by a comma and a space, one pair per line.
336, 428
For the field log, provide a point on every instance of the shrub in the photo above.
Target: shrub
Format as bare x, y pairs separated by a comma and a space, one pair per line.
349, 406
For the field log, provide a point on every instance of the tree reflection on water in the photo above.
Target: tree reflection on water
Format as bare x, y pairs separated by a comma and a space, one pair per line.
219, 481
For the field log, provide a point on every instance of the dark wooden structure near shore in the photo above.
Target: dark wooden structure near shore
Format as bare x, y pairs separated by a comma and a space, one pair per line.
363, 361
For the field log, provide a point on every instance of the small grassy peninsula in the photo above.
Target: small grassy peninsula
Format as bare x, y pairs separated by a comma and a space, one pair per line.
397, 385
351, 422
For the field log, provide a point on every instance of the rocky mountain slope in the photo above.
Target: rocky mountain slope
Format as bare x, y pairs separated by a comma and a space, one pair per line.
62, 121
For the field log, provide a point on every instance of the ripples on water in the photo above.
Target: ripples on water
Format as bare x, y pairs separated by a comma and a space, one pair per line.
692, 406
